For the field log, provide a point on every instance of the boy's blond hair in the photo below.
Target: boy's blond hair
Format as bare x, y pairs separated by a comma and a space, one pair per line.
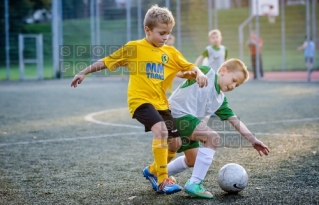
156, 15
234, 65
215, 31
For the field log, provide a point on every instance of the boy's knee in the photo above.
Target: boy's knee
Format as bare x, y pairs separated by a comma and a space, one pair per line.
190, 162
160, 134
174, 144
160, 131
215, 140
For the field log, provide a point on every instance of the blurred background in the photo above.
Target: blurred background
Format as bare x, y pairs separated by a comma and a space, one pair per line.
41, 39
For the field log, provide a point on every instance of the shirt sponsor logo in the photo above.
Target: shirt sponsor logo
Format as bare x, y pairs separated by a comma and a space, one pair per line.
155, 71
165, 58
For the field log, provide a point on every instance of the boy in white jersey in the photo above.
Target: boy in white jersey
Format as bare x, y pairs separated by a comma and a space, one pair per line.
189, 105
215, 53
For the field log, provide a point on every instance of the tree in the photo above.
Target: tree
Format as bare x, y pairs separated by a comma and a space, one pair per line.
18, 11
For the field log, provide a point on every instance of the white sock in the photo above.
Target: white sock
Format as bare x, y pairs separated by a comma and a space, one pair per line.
176, 166
203, 160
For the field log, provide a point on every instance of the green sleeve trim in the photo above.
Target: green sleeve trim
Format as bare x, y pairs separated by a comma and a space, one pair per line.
216, 84
224, 112
204, 69
226, 53
205, 53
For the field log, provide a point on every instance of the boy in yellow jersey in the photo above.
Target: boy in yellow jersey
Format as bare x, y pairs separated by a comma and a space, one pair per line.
152, 66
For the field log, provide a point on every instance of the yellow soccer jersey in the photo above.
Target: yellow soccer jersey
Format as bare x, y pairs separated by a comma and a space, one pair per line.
152, 70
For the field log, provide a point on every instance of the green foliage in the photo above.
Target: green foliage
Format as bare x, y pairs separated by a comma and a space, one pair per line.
40, 4
18, 11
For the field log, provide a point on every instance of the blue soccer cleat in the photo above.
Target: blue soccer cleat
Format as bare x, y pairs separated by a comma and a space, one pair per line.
151, 177
168, 186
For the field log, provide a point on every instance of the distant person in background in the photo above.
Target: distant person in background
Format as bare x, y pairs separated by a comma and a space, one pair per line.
309, 52
252, 43
170, 42
215, 53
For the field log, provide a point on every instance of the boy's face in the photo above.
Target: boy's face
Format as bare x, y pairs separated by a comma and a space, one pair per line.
228, 81
159, 35
215, 39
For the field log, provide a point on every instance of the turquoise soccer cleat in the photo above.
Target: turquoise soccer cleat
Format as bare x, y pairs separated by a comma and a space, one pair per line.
197, 190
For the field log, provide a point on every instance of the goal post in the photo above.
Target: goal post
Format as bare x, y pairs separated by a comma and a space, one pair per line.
39, 56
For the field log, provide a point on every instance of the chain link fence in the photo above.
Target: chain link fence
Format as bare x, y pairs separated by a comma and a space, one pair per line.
87, 30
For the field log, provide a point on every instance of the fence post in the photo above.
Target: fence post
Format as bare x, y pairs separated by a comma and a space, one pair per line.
6, 25
283, 34
55, 37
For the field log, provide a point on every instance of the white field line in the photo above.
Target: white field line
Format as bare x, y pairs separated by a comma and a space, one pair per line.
71, 139
90, 118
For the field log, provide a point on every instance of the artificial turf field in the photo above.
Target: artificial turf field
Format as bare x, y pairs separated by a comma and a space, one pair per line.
60, 145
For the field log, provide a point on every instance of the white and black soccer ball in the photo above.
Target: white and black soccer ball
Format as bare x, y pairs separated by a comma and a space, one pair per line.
232, 178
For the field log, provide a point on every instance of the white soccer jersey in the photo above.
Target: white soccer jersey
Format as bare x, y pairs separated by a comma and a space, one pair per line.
216, 57
200, 102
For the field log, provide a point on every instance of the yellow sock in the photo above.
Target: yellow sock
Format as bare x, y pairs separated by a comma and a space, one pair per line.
160, 152
152, 167
170, 156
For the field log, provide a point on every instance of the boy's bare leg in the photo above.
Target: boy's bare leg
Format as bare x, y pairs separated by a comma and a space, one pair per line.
182, 163
204, 134
190, 156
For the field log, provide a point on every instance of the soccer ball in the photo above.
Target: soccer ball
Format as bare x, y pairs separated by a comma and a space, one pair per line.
232, 178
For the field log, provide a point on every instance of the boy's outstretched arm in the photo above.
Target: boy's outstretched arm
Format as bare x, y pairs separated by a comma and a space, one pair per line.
189, 75
244, 131
195, 73
201, 78
199, 60
303, 46
78, 78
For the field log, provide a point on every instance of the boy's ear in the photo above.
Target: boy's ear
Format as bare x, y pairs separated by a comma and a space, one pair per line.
147, 30
223, 70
